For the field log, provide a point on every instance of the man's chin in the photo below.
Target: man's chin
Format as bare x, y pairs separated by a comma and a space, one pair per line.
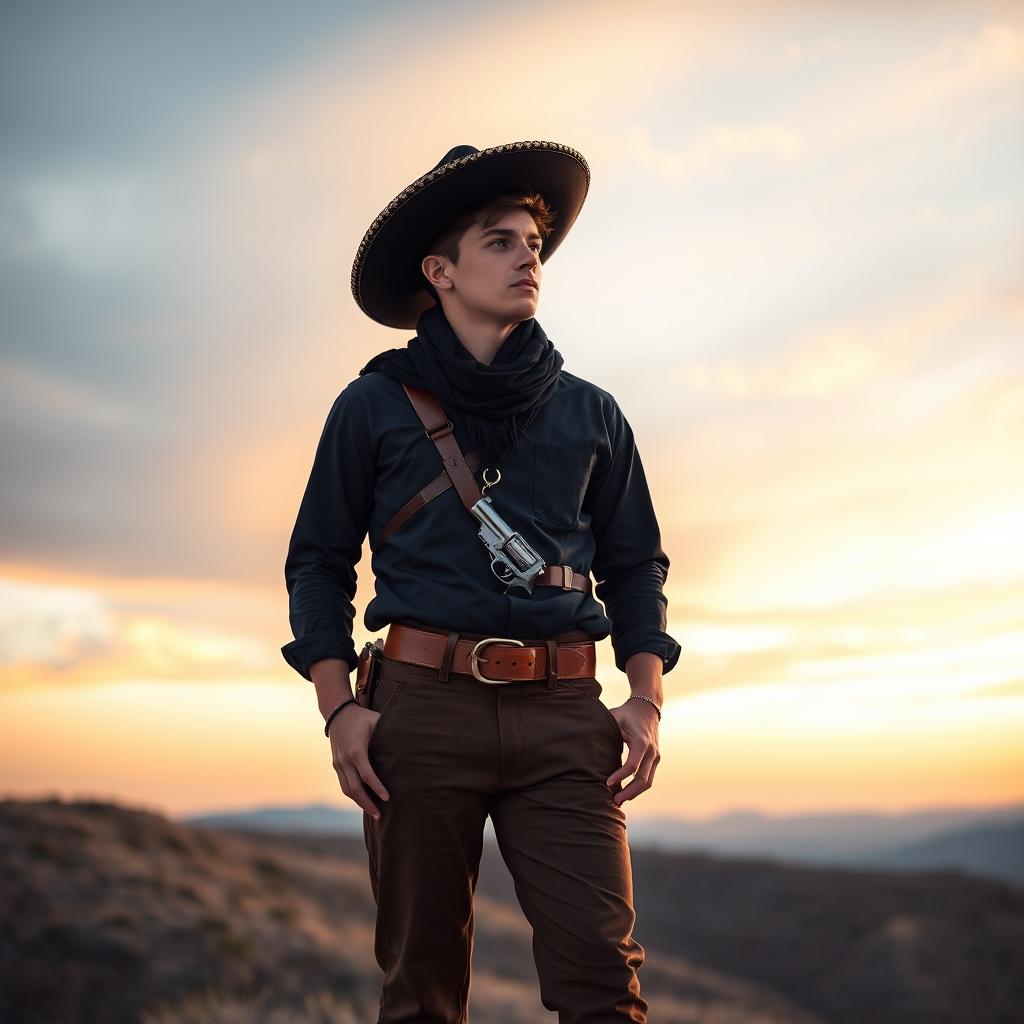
528, 299
520, 308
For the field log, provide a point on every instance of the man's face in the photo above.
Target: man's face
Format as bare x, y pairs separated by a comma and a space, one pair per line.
491, 262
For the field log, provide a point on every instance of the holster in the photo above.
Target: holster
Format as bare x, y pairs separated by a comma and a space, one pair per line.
368, 671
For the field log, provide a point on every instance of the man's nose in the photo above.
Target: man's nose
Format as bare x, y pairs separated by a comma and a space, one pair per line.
531, 259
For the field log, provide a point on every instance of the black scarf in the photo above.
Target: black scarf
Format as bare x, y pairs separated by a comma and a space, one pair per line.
498, 400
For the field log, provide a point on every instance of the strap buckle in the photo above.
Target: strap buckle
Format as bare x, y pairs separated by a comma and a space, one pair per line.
441, 430
475, 658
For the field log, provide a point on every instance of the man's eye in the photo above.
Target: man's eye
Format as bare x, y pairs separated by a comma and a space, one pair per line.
536, 245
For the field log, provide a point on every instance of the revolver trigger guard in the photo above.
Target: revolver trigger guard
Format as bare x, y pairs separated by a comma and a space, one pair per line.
505, 576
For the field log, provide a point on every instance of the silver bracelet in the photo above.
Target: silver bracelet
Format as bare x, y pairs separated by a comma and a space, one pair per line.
641, 696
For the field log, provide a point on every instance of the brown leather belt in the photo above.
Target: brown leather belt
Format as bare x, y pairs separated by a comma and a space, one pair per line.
567, 656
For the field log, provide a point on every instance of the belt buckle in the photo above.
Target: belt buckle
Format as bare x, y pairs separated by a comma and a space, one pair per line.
475, 659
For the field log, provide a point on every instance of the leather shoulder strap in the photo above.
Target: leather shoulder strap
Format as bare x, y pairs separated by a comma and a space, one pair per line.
440, 430
437, 486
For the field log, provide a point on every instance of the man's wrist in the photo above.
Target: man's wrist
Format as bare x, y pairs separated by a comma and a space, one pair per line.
643, 670
334, 714
331, 680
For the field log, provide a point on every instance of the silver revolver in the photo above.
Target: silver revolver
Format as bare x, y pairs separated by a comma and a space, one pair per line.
513, 560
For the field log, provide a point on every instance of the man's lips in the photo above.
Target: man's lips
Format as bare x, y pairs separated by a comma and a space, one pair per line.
526, 284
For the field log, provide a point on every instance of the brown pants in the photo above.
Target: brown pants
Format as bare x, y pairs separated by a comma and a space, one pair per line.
536, 760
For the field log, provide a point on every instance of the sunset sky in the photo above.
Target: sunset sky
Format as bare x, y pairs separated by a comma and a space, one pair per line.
799, 269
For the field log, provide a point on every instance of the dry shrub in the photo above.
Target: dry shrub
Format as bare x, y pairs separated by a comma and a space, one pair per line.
211, 1007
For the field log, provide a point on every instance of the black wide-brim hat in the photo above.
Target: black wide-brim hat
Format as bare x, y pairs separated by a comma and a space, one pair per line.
387, 279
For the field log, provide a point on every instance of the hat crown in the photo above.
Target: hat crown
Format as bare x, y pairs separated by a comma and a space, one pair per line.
456, 153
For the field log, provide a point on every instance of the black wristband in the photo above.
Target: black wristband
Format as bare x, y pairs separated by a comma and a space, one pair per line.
330, 717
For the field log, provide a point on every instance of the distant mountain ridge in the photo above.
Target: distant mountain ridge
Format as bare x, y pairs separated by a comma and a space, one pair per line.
987, 842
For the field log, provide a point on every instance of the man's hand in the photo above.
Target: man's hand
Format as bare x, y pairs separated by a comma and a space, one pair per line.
349, 732
350, 735
638, 721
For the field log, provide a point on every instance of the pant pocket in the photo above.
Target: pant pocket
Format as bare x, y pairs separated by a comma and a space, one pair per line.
589, 691
388, 691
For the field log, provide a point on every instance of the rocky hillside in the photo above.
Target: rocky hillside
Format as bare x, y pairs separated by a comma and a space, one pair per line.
118, 915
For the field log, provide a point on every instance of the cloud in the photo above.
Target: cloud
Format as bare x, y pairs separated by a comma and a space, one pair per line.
953, 77
1012, 688
959, 639
834, 361
903, 347
58, 626
101, 631
31, 393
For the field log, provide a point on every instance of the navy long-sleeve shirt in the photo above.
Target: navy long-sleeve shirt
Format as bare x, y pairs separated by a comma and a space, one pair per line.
575, 488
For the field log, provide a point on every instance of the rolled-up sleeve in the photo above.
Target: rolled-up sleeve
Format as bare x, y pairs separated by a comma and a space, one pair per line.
327, 539
630, 567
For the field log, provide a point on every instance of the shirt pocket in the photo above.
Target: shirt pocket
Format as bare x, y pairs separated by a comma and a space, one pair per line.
561, 473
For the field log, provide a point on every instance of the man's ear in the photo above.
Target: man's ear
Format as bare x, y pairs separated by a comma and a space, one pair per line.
435, 271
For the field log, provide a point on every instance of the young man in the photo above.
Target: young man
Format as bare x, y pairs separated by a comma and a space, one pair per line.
486, 702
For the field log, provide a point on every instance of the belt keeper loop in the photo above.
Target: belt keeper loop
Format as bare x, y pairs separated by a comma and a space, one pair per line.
552, 663
449, 651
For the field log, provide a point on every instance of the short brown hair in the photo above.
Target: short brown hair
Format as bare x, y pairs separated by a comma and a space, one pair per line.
486, 212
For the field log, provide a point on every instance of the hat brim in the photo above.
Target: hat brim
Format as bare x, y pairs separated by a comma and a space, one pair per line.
387, 279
